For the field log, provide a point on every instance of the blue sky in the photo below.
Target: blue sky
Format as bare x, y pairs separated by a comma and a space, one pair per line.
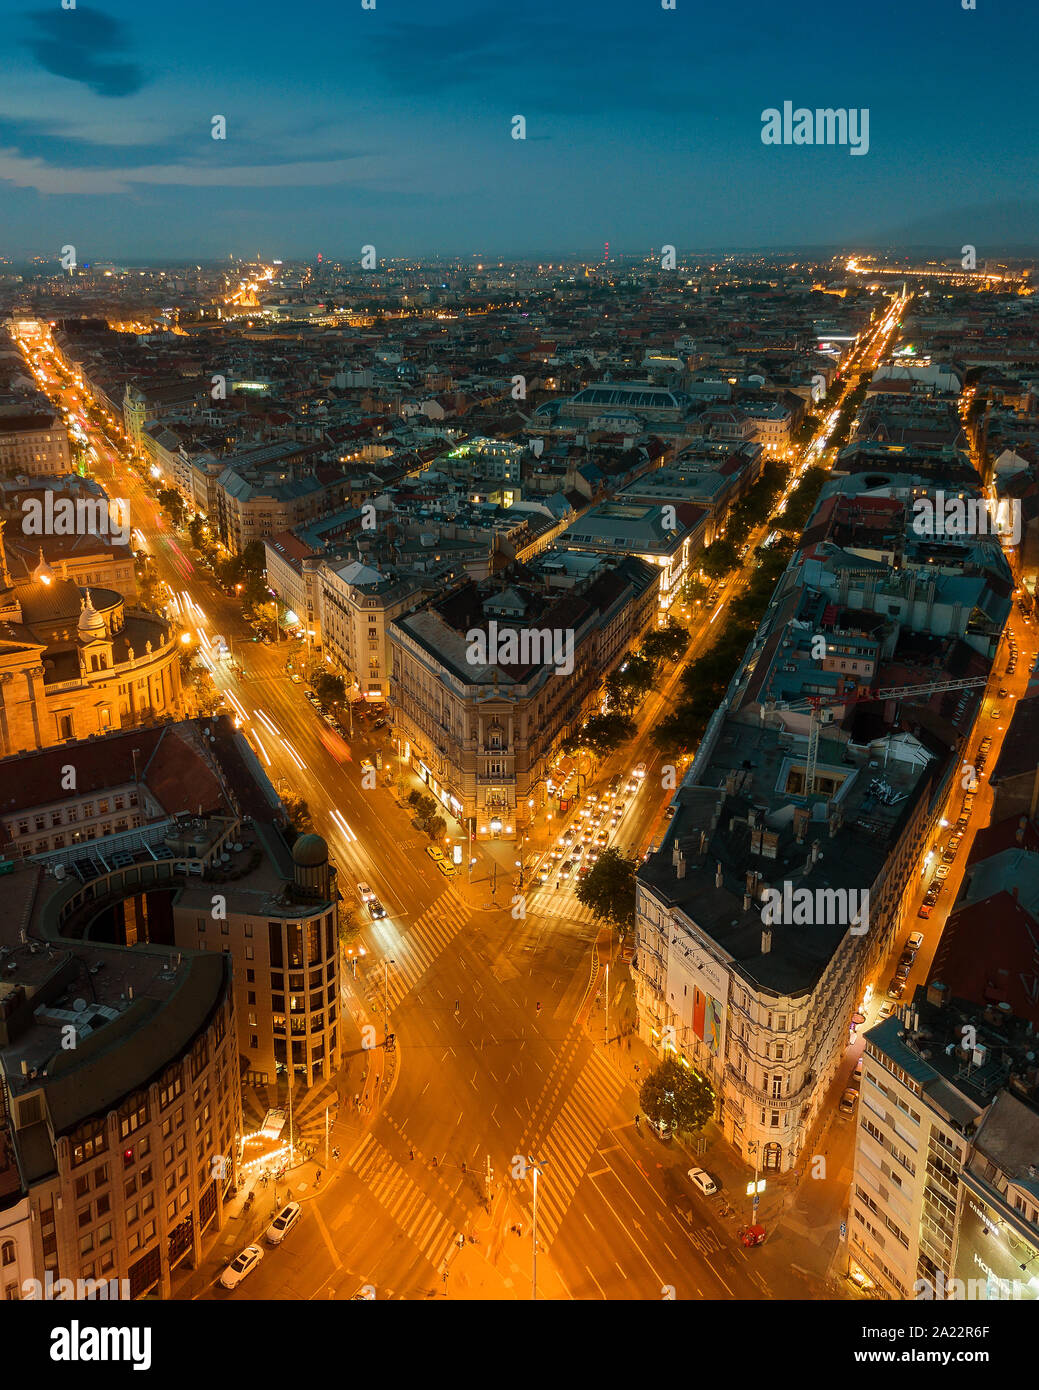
348, 126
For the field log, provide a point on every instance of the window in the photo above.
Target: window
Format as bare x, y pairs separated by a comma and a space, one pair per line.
7, 1253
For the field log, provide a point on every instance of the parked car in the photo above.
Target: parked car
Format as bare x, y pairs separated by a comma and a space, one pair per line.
661, 1128
857, 1073
847, 1101
311, 696
241, 1267
296, 678
703, 1181
1003, 693
885, 1011
367, 766
925, 909
435, 852
907, 957
915, 941
896, 989
283, 1223
380, 723
447, 868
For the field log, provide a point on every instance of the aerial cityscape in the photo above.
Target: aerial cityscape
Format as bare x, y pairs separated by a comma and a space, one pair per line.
519, 697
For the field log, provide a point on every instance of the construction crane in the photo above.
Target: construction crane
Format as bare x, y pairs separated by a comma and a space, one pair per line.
815, 703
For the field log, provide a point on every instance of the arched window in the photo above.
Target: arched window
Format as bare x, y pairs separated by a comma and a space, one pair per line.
7, 1253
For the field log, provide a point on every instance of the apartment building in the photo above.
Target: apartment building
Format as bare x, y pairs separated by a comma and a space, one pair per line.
187, 805
34, 443
483, 732
945, 1200
358, 603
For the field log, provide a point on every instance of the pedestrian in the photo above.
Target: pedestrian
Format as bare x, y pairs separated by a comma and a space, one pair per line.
411, 1153
317, 1180
636, 1066
357, 1099
288, 1194
335, 1153
636, 1122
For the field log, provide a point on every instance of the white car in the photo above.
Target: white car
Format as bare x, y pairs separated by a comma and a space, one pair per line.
916, 940
282, 1223
365, 892
703, 1181
640, 771
241, 1266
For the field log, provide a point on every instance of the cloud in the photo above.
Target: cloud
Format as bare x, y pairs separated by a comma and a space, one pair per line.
33, 172
84, 46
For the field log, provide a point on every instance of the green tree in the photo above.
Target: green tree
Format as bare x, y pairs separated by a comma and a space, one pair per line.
608, 889
676, 1095
254, 557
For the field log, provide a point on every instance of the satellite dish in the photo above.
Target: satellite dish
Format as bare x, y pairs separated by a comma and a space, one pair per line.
78, 1005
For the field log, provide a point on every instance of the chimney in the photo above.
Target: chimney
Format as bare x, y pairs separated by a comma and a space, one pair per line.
718, 875
766, 941
752, 818
937, 994
801, 817
680, 865
747, 900
815, 851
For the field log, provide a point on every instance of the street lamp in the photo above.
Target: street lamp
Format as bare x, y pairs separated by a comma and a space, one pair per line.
537, 1166
386, 995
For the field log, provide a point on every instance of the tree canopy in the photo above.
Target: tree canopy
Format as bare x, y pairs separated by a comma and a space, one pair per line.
608, 889
676, 1095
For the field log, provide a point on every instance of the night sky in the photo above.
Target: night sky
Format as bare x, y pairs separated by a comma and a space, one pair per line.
392, 126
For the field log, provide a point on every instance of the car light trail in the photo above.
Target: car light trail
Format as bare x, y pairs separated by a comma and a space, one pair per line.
337, 816
268, 724
294, 755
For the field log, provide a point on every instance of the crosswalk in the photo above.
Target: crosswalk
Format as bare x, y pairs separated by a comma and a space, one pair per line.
429, 936
416, 1215
572, 1139
564, 907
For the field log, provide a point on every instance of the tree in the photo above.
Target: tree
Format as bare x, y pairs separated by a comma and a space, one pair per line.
608, 889
330, 689
676, 1095
666, 643
602, 734
298, 813
254, 557
173, 504
718, 559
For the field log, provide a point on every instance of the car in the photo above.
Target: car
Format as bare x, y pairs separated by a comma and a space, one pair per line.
601, 838
663, 1129
896, 989
847, 1101
942, 871
885, 1011
640, 771
241, 1266
367, 766
703, 1181
376, 909
1003, 693
907, 957
379, 724
902, 971
568, 836
615, 784
915, 941
995, 713
619, 807
311, 696
542, 874
365, 892
584, 871
296, 678
435, 852
566, 868
283, 1223
857, 1073
447, 868
592, 855
924, 910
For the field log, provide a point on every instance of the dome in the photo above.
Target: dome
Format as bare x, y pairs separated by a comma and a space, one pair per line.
309, 851
43, 573
91, 624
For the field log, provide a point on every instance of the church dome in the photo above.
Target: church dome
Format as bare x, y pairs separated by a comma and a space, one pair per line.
43, 573
91, 624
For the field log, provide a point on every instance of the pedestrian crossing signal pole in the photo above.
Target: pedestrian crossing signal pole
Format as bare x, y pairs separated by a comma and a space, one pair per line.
489, 1179
536, 1165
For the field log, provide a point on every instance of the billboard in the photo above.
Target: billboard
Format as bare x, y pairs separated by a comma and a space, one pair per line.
990, 1250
